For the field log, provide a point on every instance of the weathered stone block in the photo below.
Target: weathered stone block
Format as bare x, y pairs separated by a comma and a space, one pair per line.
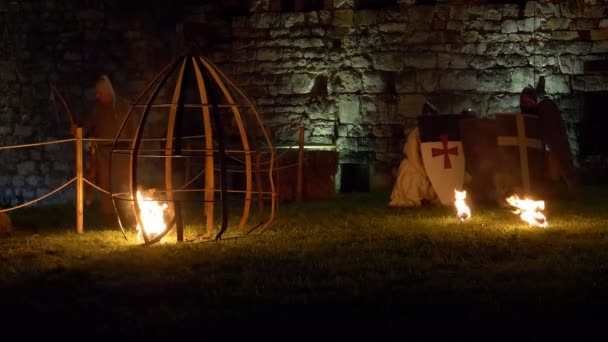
387, 61
259, 6
564, 35
570, 64
23, 131
459, 12
306, 43
600, 46
459, 61
427, 80
32, 180
360, 62
349, 109
521, 78
470, 36
325, 17
366, 17
493, 38
520, 37
509, 26
477, 11
410, 105
510, 61
265, 20
342, 4
455, 25
594, 11
557, 84
268, 54
420, 61
26, 168
322, 128
505, 103
583, 24
420, 37
296, 84
541, 61
292, 19
588, 83
392, 28
545, 9
497, 80
345, 81
482, 62
477, 103
529, 24
420, 14
599, 34
406, 82
373, 83
458, 80
558, 24
492, 26
573, 47
510, 11
343, 18
475, 49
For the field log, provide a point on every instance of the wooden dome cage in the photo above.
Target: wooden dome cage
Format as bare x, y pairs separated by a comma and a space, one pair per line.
192, 150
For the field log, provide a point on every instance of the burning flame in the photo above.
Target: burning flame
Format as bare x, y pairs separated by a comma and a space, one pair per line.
529, 210
152, 216
464, 212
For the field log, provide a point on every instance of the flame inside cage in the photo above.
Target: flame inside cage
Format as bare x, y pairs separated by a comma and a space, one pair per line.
152, 216
464, 212
196, 139
529, 210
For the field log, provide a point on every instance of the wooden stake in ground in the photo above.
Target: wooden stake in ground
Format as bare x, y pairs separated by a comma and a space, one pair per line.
79, 183
300, 166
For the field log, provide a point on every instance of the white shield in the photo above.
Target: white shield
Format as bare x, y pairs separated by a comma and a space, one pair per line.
444, 164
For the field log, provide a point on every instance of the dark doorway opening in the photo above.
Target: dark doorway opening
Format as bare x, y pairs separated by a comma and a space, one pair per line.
592, 140
354, 178
593, 125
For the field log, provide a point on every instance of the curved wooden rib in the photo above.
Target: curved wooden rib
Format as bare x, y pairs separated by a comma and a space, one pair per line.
209, 172
137, 141
270, 146
242, 132
169, 152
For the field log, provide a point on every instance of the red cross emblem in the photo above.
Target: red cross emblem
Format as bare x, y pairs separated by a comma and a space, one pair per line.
445, 151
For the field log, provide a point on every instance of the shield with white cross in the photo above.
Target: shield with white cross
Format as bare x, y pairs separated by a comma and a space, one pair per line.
521, 151
442, 154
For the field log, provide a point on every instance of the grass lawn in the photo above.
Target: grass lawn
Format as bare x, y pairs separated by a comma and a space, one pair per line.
349, 267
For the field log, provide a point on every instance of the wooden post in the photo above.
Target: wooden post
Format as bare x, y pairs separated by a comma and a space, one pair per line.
300, 166
258, 180
79, 183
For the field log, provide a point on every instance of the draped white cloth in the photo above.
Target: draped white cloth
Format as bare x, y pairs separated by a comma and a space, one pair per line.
412, 185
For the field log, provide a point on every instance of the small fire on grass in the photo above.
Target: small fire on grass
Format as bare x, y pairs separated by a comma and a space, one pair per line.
152, 216
529, 210
464, 212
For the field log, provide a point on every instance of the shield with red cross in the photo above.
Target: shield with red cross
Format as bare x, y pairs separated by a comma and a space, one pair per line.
442, 154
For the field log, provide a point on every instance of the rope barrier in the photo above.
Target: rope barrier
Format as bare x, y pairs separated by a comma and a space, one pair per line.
96, 187
36, 144
39, 198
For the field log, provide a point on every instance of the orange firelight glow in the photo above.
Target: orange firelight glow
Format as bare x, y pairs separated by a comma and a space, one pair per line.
464, 212
529, 210
152, 216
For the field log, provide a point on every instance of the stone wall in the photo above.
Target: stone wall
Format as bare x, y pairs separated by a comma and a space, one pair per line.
359, 78
355, 78
69, 43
